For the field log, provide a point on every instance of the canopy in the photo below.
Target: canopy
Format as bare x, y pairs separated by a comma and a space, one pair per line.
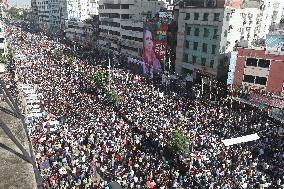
115, 185
247, 138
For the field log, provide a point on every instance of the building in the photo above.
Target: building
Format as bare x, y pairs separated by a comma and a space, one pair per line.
3, 44
260, 67
58, 16
80, 32
49, 15
209, 30
121, 24
81, 25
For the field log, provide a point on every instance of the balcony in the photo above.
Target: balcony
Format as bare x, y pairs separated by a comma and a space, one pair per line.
132, 2
106, 19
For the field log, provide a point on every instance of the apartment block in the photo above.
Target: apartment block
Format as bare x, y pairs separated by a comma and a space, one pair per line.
209, 30
3, 45
121, 24
49, 14
79, 32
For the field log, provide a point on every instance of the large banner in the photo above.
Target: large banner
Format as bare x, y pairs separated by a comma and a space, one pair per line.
154, 45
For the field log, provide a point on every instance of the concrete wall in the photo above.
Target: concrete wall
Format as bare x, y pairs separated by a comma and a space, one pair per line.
274, 74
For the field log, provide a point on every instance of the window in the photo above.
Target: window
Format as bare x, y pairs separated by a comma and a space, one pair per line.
211, 63
204, 47
206, 32
205, 16
203, 61
187, 16
187, 44
251, 62
215, 34
196, 16
213, 49
196, 32
195, 46
125, 16
114, 15
188, 30
260, 80
225, 33
216, 16
263, 63
193, 59
112, 6
185, 57
124, 6
249, 78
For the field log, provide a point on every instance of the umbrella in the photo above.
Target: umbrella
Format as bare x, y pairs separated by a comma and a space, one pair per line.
45, 165
51, 116
114, 185
150, 184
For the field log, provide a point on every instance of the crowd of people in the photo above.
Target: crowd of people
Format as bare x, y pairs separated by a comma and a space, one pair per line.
127, 141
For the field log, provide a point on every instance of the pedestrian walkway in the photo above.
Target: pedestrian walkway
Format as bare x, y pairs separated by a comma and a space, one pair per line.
15, 171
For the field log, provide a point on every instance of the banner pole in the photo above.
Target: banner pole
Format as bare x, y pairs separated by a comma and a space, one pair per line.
109, 74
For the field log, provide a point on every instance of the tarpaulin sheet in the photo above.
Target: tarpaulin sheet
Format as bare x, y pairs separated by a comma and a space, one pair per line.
247, 138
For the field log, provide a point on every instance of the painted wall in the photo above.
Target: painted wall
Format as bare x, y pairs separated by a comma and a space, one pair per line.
276, 71
276, 76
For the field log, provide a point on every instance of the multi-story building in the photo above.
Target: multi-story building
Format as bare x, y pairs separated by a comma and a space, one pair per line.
209, 30
94, 7
56, 16
121, 24
77, 29
49, 14
260, 67
79, 32
3, 45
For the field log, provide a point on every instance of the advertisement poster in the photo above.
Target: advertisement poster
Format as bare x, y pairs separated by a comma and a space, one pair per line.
154, 46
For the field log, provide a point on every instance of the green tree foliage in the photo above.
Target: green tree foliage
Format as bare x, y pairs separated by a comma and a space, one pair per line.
282, 21
101, 79
178, 143
114, 97
2, 59
17, 13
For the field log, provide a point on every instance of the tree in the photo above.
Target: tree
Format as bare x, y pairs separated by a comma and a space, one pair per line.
178, 144
114, 97
2, 59
101, 79
282, 21
17, 13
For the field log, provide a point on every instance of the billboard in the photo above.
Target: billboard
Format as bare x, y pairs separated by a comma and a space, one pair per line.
232, 67
154, 45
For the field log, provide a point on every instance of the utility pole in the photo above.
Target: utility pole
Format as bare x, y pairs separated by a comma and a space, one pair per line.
202, 82
210, 89
109, 77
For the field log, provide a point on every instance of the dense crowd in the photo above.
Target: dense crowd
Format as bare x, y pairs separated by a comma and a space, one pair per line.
127, 141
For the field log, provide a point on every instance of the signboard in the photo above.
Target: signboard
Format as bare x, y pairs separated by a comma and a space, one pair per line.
232, 67
154, 45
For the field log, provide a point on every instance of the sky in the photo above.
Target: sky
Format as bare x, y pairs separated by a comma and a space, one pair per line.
19, 2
